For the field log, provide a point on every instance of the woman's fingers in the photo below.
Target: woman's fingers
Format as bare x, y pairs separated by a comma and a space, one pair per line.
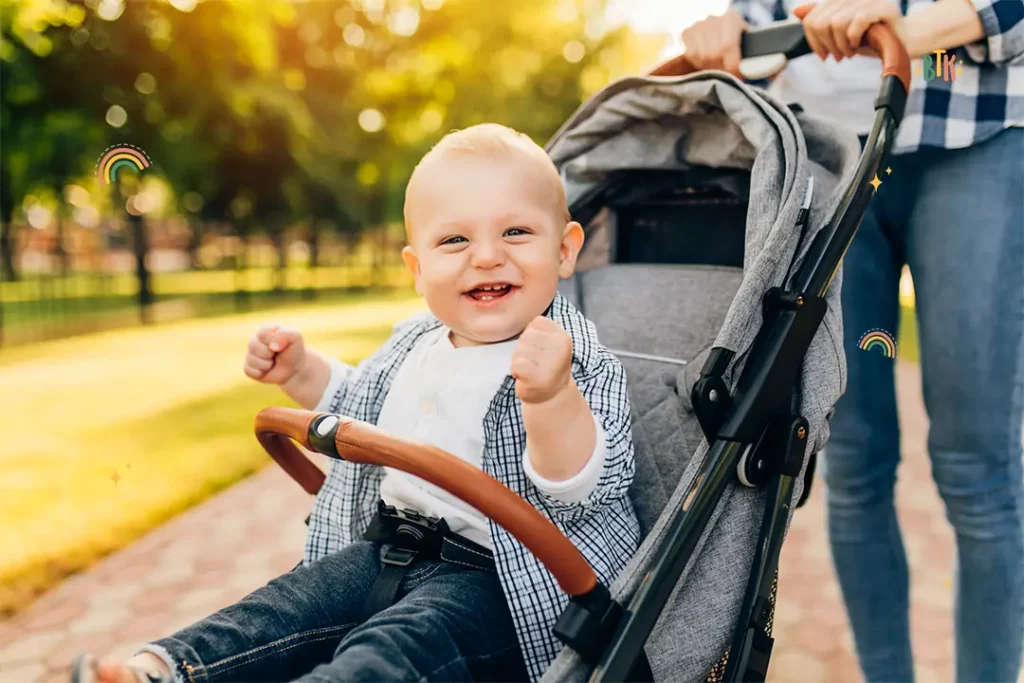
840, 24
714, 42
731, 56
856, 30
837, 27
816, 31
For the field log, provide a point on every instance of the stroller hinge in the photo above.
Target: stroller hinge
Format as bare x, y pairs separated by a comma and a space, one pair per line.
710, 396
774, 365
780, 452
588, 622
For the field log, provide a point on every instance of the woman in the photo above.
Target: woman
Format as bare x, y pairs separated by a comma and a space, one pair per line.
952, 208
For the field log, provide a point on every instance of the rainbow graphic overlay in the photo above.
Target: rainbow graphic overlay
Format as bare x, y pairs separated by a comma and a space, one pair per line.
118, 157
880, 340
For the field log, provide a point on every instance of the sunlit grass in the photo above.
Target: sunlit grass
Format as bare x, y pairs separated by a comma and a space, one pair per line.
168, 408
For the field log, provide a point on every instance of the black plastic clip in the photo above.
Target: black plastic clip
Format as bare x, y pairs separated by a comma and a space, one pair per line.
780, 452
397, 557
710, 396
588, 622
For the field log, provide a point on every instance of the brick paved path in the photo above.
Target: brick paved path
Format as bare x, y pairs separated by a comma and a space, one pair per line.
233, 543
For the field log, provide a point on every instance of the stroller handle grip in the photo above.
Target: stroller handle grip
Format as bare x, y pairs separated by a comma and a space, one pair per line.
360, 442
787, 38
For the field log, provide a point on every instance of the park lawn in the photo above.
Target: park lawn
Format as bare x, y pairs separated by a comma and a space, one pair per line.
36, 301
166, 407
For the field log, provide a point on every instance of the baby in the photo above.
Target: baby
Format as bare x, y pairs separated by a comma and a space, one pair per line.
504, 373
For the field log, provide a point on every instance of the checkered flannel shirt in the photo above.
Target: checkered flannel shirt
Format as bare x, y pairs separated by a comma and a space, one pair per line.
984, 99
604, 526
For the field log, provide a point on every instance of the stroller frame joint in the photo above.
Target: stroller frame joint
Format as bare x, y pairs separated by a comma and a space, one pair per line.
588, 622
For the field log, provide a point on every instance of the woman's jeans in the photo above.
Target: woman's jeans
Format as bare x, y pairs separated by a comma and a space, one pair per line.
956, 217
450, 623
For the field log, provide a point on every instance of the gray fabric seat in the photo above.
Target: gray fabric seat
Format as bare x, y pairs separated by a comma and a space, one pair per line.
672, 311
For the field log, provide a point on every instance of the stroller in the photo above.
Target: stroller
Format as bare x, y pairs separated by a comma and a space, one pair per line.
717, 219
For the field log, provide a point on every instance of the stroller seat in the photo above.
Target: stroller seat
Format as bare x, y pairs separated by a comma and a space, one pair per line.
660, 320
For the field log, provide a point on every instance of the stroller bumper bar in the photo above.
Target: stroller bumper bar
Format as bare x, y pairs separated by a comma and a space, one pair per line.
343, 438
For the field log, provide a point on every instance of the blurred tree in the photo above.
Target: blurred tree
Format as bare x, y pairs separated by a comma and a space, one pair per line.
265, 114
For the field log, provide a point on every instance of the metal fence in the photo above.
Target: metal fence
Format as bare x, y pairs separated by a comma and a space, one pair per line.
78, 280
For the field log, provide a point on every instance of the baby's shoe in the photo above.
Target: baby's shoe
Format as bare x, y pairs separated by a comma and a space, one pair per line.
85, 669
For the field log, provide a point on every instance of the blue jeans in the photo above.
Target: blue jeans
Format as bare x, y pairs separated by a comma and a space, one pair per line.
450, 623
956, 217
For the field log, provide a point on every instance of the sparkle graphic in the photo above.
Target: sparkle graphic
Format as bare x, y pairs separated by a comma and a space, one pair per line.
875, 183
116, 476
888, 171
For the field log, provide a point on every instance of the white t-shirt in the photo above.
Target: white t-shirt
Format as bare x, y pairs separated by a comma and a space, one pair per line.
440, 396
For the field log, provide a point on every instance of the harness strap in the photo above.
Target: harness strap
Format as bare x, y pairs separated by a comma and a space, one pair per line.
396, 563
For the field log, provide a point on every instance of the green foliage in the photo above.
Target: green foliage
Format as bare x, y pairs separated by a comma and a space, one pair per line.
268, 113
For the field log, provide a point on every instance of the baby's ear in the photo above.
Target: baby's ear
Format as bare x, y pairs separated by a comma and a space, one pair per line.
413, 264
572, 242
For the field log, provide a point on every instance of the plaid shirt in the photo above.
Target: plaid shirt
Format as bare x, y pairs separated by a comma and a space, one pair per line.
984, 99
604, 526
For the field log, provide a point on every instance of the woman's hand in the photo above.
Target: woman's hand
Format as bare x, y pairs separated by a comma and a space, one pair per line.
714, 42
837, 27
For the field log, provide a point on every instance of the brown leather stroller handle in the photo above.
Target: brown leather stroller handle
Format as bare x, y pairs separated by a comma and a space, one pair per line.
275, 430
364, 443
881, 38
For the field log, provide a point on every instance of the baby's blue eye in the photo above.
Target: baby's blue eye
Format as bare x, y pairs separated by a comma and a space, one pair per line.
453, 240
515, 232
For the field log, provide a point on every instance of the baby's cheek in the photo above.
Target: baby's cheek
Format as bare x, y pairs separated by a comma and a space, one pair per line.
439, 273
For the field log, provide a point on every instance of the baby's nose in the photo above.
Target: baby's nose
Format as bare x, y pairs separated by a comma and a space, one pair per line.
488, 255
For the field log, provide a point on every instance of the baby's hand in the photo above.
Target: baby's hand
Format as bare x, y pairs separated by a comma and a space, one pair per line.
275, 355
542, 361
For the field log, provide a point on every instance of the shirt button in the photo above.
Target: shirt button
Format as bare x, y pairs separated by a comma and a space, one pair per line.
428, 407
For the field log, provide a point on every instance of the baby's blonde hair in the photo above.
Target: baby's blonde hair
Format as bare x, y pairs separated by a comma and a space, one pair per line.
493, 141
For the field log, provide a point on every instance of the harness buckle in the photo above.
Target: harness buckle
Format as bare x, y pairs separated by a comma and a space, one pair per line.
397, 557
410, 531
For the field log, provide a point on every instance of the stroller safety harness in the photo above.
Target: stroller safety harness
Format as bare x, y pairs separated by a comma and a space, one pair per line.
406, 536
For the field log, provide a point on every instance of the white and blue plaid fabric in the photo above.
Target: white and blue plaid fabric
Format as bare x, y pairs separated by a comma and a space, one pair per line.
604, 526
986, 97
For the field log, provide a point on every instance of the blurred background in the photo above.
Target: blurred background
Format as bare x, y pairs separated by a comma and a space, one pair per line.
273, 141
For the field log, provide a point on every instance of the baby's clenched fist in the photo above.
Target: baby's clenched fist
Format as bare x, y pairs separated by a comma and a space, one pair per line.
275, 354
542, 361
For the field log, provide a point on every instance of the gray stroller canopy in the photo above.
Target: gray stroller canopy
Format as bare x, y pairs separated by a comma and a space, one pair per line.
663, 318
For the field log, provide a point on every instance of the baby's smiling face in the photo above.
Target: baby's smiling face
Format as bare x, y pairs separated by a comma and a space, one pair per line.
489, 238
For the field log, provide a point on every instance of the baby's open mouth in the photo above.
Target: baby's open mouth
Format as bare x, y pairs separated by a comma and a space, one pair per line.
490, 292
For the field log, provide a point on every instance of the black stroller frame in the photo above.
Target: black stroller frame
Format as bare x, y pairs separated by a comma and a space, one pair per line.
753, 432
752, 429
